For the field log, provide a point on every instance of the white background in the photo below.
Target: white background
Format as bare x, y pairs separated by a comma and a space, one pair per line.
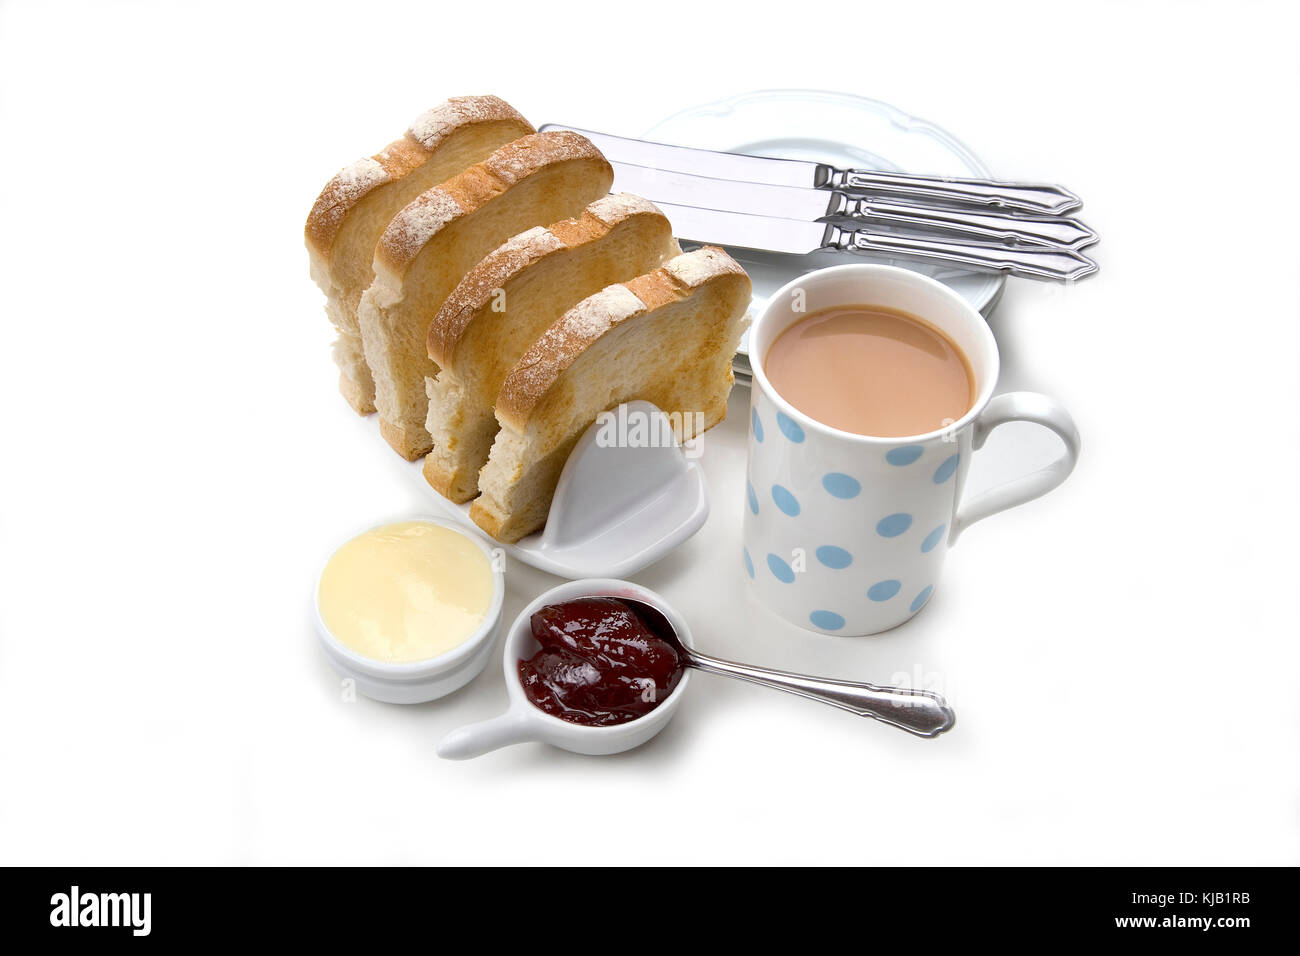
177, 462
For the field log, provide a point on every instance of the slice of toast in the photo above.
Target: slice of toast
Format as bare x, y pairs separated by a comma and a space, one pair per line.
507, 301
356, 206
666, 337
442, 234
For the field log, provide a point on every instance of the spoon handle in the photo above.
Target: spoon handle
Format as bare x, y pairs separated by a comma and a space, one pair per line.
474, 740
919, 712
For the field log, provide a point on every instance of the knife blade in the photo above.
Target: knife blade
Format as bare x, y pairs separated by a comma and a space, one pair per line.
798, 238
804, 203
1039, 198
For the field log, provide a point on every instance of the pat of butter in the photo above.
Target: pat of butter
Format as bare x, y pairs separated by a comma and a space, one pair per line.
406, 592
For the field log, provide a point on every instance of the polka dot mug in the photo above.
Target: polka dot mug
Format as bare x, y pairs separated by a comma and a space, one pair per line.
845, 533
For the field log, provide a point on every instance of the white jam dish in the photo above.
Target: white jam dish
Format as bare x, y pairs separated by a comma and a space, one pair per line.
425, 679
523, 721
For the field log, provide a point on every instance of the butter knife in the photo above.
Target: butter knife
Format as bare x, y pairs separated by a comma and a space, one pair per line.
795, 237
809, 205
1039, 198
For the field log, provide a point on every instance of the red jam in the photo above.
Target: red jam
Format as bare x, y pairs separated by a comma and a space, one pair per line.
599, 663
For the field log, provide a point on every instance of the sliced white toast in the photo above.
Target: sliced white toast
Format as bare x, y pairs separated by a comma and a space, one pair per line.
667, 337
356, 206
440, 236
507, 301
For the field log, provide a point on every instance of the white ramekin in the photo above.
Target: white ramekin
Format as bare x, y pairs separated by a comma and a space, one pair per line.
415, 682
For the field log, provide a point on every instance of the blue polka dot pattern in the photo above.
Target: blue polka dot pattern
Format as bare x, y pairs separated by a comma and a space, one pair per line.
891, 526
749, 562
785, 501
789, 427
826, 620
904, 454
841, 485
758, 425
833, 557
753, 497
884, 590
933, 538
780, 569
918, 602
945, 470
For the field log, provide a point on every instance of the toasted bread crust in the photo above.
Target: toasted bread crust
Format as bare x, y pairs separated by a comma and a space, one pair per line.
491, 523
402, 441
354, 182
561, 344
413, 227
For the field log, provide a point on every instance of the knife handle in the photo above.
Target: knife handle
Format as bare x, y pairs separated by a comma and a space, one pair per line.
1042, 230
1037, 263
1039, 198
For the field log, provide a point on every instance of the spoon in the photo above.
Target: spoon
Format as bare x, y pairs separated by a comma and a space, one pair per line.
919, 712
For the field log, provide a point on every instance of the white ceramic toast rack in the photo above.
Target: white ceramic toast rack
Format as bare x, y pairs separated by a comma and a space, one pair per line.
627, 496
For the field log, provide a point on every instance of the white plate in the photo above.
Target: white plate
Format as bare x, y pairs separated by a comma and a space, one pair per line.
845, 131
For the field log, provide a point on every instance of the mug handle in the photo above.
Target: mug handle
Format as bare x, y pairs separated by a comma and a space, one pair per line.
1019, 407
